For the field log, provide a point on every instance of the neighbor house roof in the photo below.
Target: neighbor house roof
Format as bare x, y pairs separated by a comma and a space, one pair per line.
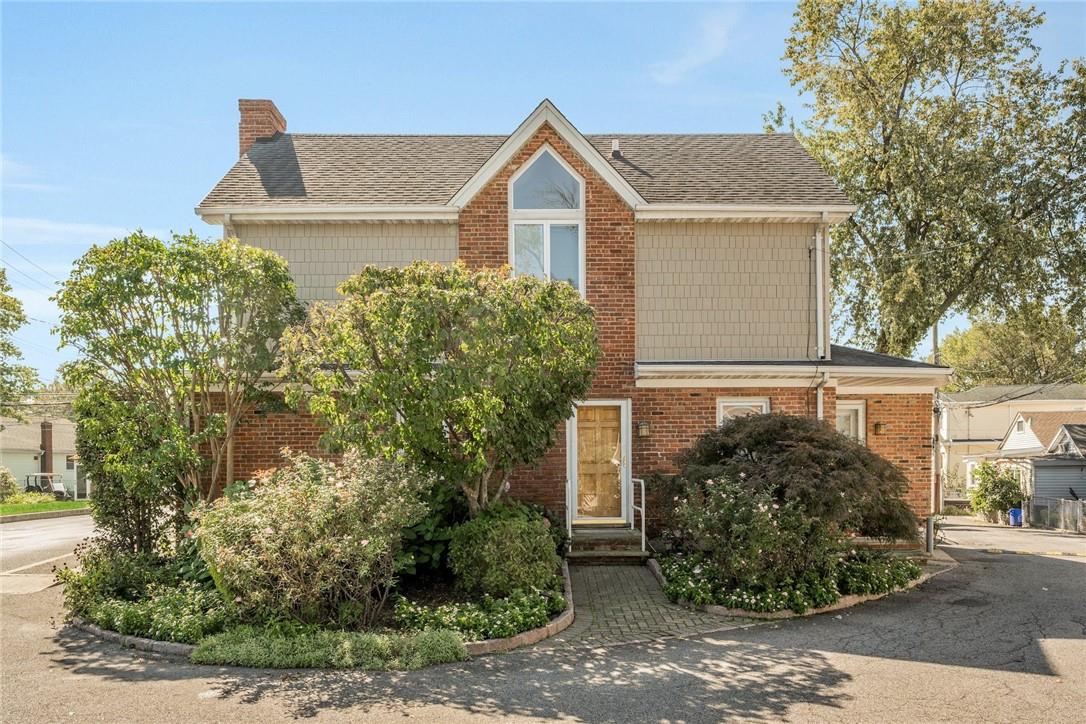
25, 436
427, 170
991, 393
1045, 425
1077, 434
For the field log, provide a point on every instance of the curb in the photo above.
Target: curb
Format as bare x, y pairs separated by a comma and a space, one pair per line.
474, 648
166, 648
17, 517
1005, 551
532, 636
844, 602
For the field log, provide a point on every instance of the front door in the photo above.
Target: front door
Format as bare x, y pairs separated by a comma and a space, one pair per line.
600, 462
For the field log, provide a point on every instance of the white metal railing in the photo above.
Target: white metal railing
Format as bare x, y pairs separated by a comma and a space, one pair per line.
639, 509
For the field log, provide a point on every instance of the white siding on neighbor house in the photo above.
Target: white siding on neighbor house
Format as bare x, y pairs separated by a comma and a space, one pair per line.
724, 291
1053, 481
323, 255
1023, 439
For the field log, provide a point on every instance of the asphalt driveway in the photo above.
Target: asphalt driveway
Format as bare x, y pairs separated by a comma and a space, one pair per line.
1000, 638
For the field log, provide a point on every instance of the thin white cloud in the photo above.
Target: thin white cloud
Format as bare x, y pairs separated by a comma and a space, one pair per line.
19, 176
34, 232
710, 44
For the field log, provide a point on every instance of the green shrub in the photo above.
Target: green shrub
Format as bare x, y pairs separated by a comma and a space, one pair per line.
8, 485
798, 459
315, 541
956, 510
996, 490
869, 573
184, 613
504, 549
754, 542
249, 646
490, 618
695, 578
425, 545
105, 573
24, 498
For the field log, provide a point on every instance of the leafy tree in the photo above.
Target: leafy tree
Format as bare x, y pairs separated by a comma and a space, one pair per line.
996, 491
188, 328
964, 155
134, 455
1032, 344
467, 373
16, 381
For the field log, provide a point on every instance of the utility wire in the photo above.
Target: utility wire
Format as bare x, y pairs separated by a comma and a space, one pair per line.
34, 279
28, 260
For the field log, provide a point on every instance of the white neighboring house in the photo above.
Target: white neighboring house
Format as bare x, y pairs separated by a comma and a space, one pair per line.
974, 422
1041, 449
23, 451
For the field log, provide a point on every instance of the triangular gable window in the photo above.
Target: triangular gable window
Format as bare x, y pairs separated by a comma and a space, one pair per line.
546, 184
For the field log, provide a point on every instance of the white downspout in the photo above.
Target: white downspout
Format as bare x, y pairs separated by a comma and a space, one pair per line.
820, 310
819, 403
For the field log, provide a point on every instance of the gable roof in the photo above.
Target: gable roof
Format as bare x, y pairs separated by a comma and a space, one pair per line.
1010, 393
1045, 425
329, 170
1075, 432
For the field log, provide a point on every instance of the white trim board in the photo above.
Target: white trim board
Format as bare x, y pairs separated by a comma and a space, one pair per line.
329, 214
546, 112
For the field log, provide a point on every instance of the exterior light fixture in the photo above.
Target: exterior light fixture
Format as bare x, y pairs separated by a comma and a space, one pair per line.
643, 428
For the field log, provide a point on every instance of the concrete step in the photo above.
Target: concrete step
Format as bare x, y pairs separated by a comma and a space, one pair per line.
606, 539
607, 558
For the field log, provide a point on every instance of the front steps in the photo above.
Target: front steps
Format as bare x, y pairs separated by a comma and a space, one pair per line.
606, 546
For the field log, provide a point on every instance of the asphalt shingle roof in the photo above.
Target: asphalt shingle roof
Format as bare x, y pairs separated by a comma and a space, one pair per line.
1046, 424
377, 170
989, 393
15, 435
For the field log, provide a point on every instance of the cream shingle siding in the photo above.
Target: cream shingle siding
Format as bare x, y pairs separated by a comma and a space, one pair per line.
717, 291
322, 255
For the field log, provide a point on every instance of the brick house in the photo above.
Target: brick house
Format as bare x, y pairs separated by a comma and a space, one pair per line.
704, 255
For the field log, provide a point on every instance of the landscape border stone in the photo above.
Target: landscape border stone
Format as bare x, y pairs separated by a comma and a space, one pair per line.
17, 517
939, 557
474, 648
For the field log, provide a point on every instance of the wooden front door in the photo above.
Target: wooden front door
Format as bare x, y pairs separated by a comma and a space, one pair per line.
599, 461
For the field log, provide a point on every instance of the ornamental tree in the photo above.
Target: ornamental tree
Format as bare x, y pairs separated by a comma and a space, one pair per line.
962, 152
187, 328
465, 373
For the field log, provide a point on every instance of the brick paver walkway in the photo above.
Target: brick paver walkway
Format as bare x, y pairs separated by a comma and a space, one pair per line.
624, 604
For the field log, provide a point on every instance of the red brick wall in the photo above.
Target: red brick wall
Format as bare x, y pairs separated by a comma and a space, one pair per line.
905, 440
261, 438
259, 119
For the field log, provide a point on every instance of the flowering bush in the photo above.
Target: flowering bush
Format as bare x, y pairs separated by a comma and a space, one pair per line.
753, 541
508, 547
8, 484
489, 618
996, 491
315, 541
868, 573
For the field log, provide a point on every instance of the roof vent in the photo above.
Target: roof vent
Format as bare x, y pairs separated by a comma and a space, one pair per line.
615, 153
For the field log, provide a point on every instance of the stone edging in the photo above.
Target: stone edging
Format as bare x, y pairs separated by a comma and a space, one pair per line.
843, 602
16, 517
474, 648
532, 636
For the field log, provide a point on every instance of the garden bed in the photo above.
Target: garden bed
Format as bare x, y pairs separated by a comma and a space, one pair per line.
846, 601
472, 648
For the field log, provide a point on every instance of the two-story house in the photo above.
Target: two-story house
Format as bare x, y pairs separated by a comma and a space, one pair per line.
704, 255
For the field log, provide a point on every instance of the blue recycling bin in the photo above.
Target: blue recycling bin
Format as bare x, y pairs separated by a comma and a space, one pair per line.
1014, 517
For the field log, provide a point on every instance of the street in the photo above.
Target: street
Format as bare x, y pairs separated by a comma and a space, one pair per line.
1002, 637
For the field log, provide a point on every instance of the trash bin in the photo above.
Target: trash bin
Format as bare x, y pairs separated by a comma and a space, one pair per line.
1014, 516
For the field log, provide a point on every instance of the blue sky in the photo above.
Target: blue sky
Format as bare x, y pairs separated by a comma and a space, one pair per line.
117, 116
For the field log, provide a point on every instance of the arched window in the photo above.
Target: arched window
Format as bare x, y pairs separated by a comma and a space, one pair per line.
546, 220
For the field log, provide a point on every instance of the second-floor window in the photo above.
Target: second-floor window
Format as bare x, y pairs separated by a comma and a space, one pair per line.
546, 220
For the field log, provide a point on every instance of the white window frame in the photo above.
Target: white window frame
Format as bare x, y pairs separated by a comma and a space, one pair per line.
861, 419
723, 402
548, 217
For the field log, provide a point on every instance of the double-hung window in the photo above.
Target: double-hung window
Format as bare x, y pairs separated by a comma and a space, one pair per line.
546, 220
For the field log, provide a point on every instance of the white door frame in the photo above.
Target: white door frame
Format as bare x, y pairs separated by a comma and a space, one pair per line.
626, 460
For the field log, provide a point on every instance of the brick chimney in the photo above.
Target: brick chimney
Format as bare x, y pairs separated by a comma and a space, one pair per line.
259, 119
46, 447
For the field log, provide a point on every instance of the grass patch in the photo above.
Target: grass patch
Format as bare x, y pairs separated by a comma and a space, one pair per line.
18, 508
261, 648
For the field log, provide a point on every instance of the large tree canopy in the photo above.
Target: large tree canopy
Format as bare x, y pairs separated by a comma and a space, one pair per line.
466, 373
17, 381
1031, 344
964, 155
187, 328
